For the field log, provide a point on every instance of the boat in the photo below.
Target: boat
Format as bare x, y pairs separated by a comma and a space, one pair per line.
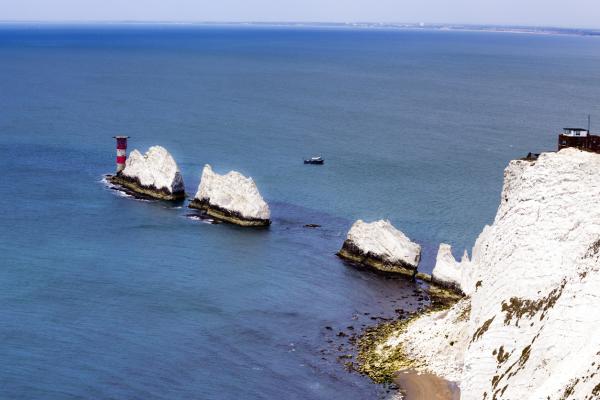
315, 160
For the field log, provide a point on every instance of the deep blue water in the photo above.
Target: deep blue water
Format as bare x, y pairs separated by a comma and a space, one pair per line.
103, 296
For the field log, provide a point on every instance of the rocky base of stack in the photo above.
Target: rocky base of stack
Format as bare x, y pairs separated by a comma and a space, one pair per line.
351, 252
227, 215
134, 185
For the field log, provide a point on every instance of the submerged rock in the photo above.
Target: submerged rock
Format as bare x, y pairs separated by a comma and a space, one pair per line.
529, 326
232, 198
154, 174
381, 246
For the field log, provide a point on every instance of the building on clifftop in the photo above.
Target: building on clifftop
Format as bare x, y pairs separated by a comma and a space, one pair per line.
579, 138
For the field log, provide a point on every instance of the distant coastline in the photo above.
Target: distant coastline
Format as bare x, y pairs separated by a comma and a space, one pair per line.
539, 30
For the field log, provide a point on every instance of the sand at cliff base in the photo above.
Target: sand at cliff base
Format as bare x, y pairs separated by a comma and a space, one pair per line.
423, 386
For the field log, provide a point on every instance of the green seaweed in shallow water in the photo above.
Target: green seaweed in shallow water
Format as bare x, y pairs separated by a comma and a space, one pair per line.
381, 366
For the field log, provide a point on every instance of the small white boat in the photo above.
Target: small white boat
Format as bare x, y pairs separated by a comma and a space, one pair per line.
314, 160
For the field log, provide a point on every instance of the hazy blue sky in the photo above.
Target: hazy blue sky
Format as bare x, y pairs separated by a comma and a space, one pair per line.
575, 13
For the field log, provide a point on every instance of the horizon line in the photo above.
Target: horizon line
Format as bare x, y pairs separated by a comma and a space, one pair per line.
365, 24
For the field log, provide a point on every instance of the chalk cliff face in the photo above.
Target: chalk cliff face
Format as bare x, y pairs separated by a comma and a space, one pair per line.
154, 174
529, 329
381, 246
231, 197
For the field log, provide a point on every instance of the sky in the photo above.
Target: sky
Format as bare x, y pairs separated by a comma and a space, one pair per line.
560, 13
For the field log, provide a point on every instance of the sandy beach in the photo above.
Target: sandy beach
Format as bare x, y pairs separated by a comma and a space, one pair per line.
424, 386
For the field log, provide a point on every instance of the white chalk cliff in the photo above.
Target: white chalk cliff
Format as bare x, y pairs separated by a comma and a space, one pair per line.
382, 239
156, 169
529, 328
232, 192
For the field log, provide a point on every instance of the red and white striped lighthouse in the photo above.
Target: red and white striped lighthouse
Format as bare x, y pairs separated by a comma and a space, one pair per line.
121, 152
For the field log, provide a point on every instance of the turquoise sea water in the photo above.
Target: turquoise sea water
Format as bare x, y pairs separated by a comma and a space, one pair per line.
103, 296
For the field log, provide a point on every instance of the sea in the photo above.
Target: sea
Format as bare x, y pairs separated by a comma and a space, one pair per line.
104, 296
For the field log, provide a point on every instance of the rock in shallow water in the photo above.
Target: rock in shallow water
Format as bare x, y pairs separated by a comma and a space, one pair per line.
381, 246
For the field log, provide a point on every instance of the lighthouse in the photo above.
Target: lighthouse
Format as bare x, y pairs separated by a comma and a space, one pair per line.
121, 152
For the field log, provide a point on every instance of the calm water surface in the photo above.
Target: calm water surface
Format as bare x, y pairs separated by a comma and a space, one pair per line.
102, 296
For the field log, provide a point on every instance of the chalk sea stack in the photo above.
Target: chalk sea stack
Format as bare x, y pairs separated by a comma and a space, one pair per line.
154, 174
232, 198
448, 272
381, 246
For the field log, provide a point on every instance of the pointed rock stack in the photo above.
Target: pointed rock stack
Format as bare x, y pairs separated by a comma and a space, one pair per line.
231, 198
451, 273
